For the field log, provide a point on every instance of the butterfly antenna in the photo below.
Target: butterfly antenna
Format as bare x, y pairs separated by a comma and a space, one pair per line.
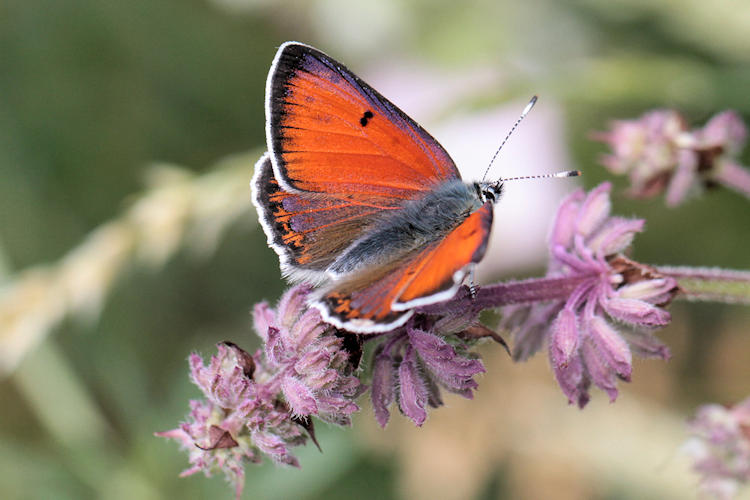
564, 173
515, 125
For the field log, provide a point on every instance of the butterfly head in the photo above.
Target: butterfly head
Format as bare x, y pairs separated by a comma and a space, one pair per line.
490, 191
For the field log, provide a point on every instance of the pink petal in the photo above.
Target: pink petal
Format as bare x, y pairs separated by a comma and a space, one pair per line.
383, 391
570, 379
412, 389
636, 312
684, 179
299, 397
594, 210
599, 370
564, 338
263, 318
611, 346
726, 130
565, 219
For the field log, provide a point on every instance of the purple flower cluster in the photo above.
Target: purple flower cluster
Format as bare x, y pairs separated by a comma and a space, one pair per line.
659, 153
585, 345
306, 360
720, 448
411, 365
262, 404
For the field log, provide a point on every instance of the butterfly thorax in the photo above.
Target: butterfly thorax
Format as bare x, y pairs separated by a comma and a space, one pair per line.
420, 222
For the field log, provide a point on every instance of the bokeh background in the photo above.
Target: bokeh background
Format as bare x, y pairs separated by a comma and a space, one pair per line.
128, 134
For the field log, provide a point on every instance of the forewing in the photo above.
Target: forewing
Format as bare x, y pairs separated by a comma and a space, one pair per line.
330, 132
306, 230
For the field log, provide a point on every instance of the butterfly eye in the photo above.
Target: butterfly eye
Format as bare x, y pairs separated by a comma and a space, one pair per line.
491, 192
366, 116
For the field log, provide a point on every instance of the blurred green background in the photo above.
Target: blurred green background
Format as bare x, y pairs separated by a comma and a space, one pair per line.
143, 119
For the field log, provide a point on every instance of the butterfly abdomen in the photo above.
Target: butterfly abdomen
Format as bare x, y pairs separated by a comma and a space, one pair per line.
421, 221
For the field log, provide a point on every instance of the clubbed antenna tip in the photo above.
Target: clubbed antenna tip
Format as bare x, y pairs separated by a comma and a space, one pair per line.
529, 106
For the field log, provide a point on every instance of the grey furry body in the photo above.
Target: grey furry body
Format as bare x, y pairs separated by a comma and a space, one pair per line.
420, 222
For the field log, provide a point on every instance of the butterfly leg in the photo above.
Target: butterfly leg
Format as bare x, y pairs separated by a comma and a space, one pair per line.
473, 288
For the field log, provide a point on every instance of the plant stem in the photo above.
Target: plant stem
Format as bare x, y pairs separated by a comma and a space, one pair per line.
702, 284
707, 284
528, 291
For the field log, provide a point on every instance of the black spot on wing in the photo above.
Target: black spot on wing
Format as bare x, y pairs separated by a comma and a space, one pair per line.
366, 117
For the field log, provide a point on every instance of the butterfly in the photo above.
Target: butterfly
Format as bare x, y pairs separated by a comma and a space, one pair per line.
359, 200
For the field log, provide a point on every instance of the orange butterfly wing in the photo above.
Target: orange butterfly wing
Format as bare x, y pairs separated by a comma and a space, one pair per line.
329, 132
445, 268
381, 299
308, 231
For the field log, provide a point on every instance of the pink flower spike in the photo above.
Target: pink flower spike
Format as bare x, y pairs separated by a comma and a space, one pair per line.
646, 345
605, 286
636, 312
529, 338
661, 155
383, 387
263, 317
443, 364
274, 447
685, 177
313, 362
291, 306
570, 378
594, 210
563, 227
614, 236
306, 329
413, 391
299, 397
599, 371
654, 291
564, 339
726, 130
611, 346
260, 405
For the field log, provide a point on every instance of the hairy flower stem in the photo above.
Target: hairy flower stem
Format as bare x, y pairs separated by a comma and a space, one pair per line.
697, 284
527, 291
706, 284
